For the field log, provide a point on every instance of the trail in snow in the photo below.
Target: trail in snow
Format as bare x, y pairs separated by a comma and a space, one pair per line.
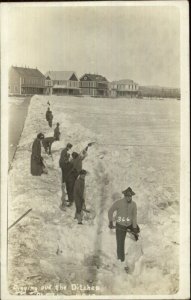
50, 244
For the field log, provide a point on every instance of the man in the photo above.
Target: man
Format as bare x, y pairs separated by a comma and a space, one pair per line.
79, 191
74, 167
77, 159
66, 167
126, 219
47, 144
49, 116
37, 166
57, 132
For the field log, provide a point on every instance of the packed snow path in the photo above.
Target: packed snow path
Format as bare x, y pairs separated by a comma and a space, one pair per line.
48, 248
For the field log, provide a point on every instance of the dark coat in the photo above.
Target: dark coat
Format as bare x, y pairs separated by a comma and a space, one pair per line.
49, 115
66, 171
36, 159
57, 133
64, 157
78, 197
64, 164
77, 163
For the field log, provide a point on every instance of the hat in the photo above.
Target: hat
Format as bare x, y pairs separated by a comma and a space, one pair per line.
128, 192
83, 172
40, 135
69, 145
57, 124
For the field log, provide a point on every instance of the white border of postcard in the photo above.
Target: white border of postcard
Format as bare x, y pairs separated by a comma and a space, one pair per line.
184, 286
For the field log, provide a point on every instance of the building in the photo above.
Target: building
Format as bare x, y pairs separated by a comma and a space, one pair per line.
123, 88
94, 85
26, 81
62, 83
158, 92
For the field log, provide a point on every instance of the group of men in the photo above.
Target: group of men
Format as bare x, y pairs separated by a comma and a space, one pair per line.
73, 176
73, 179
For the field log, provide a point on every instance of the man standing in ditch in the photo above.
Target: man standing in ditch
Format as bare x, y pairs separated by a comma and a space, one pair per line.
126, 219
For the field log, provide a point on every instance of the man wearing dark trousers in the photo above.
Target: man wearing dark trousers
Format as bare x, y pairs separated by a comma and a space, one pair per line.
126, 219
66, 168
79, 195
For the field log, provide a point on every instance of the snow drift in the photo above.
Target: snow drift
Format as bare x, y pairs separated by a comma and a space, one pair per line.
48, 248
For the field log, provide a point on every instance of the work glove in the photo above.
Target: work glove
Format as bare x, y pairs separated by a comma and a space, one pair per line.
111, 225
135, 230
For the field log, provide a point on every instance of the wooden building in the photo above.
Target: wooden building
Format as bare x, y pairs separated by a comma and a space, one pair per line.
62, 83
123, 88
94, 85
26, 81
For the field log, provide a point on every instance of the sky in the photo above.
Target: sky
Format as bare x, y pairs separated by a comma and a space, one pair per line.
141, 43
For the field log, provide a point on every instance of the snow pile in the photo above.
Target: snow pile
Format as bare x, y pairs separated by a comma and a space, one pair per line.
48, 247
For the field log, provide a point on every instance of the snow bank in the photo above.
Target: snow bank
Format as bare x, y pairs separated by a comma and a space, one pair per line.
50, 245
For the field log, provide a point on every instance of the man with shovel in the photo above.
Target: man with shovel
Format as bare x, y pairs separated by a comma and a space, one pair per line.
126, 220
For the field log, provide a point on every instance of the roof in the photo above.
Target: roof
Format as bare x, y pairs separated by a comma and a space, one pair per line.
60, 75
124, 81
94, 77
28, 72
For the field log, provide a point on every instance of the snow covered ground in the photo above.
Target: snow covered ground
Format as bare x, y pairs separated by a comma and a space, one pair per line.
137, 145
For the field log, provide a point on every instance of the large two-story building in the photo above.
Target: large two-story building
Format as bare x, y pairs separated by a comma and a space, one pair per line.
94, 85
26, 81
123, 88
62, 83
